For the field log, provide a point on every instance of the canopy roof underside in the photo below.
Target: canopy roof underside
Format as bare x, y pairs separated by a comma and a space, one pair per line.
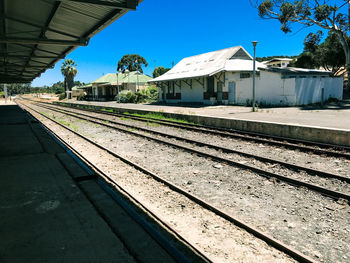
35, 34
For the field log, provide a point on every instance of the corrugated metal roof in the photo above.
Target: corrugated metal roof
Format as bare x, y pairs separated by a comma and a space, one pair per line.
132, 77
236, 65
298, 71
85, 86
35, 34
229, 59
278, 59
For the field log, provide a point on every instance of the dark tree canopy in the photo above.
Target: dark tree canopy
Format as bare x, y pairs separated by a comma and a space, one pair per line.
15, 88
132, 62
330, 15
328, 55
305, 60
325, 14
159, 71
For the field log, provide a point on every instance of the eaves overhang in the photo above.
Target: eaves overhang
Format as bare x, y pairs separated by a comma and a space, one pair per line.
36, 34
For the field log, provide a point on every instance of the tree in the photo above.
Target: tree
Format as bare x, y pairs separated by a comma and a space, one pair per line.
16, 88
329, 54
327, 15
159, 71
305, 60
132, 62
69, 71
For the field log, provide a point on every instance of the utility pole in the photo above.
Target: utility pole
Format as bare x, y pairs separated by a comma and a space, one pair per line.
5, 92
118, 86
254, 45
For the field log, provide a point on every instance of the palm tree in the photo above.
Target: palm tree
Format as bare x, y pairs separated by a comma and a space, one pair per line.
69, 71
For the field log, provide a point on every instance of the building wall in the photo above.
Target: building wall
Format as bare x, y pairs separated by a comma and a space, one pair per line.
271, 89
94, 90
194, 93
309, 90
171, 91
133, 86
76, 93
100, 92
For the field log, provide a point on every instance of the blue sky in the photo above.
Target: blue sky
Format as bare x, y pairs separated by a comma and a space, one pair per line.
163, 31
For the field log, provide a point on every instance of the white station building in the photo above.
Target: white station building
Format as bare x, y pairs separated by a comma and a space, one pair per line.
225, 77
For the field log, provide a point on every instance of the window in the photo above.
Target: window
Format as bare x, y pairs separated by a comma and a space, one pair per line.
244, 75
171, 88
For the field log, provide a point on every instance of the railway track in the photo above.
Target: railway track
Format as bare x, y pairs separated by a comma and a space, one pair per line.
259, 234
215, 156
119, 193
302, 145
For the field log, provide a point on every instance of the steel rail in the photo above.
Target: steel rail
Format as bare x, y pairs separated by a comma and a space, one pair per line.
257, 137
331, 193
144, 118
104, 180
259, 234
224, 149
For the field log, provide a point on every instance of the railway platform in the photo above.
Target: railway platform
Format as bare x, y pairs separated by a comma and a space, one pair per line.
50, 209
327, 124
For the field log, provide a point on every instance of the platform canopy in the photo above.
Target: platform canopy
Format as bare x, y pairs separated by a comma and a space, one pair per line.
35, 34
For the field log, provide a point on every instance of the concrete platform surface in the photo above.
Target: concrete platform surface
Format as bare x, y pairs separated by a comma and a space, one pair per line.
334, 115
329, 124
45, 217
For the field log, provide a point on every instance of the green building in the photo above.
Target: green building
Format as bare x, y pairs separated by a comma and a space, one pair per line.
106, 87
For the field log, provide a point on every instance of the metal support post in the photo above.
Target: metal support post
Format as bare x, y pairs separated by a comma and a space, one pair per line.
118, 86
5, 92
254, 45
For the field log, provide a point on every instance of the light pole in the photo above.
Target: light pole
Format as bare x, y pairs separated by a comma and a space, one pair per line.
118, 86
127, 72
254, 45
5, 92
137, 79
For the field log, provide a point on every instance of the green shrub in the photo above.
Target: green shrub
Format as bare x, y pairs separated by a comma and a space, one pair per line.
145, 95
81, 97
62, 96
59, 90
332, 100
127, 97
142, 96
153, 90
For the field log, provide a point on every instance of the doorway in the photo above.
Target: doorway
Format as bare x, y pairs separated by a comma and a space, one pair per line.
231, 92
219, 94
210, 87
